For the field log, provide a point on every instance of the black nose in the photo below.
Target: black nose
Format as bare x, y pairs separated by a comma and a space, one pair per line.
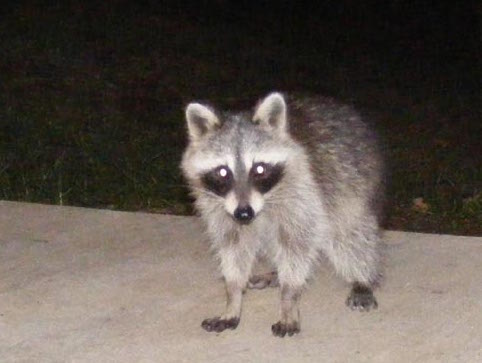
244, 215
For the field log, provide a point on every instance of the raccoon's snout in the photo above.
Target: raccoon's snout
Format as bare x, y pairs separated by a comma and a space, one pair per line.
244, 214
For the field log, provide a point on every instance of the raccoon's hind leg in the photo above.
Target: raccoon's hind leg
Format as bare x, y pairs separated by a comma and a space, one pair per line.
269, 279
355, 256
236, 263
361, 298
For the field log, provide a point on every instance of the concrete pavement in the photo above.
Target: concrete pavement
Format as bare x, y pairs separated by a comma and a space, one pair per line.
84, 285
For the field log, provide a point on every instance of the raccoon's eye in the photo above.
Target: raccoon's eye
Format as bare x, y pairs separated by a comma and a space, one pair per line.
223, 172
260, 170
218, 180
265, 176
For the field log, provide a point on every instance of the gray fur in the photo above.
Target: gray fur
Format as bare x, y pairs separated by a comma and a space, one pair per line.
327, 202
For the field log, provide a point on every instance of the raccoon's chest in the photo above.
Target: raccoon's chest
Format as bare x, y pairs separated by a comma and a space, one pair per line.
268, 234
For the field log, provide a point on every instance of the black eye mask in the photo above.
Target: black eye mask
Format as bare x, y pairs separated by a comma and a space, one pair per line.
219, 180
265, 176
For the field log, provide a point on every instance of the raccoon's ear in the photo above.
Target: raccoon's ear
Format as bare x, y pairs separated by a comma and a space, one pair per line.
271, 112
200, 119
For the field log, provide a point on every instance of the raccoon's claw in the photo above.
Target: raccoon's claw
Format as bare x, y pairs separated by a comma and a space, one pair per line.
218, 325
269, 279
280, 329
361, 298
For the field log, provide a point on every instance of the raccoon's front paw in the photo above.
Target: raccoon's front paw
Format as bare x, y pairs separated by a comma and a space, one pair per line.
280, 329
361, 298
218, 324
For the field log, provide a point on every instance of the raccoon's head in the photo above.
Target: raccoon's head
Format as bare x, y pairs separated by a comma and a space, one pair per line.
237, 161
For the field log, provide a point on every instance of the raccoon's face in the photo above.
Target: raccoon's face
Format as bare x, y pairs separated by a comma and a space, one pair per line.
237, 163
243, 192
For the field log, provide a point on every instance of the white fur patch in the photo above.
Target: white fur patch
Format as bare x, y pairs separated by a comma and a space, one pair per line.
203, 163
230, 162
273, 156
231, 202
256, 201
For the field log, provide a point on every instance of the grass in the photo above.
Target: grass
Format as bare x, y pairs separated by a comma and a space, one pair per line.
92, 97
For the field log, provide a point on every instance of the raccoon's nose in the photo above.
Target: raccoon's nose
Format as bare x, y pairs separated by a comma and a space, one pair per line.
244, 215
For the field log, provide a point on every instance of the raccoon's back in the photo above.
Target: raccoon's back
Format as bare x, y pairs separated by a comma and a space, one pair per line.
343, 150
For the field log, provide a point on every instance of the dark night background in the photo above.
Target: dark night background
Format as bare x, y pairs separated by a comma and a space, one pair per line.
92, 94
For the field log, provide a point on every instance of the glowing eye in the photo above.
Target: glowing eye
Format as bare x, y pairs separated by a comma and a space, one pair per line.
223, 172
260, 169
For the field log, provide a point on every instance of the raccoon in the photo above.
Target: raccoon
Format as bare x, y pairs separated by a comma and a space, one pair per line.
292, 180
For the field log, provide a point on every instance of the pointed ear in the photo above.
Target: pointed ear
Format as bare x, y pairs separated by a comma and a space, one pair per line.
200, 120
271, 112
